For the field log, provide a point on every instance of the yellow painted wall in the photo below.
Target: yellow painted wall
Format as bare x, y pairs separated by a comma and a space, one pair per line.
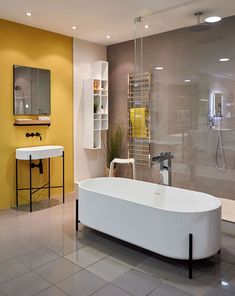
27, 46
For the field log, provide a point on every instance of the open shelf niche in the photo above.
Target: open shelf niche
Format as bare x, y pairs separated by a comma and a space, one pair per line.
96, 105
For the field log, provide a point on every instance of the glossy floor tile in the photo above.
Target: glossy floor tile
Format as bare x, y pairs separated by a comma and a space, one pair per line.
86, 256
110, 290
129, 256
11, 269
57, 270
104, 245
64, 246
51, 291
197, 286
37, 257
42, 254
25, 285
214, 267
158, 267
168, 290
108, 268
137, 283
220, 292
82, 283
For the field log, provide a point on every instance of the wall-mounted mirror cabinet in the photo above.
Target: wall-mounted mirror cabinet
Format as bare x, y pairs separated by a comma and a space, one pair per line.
31, 91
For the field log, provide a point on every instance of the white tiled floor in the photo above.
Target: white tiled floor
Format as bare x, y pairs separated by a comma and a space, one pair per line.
41, 254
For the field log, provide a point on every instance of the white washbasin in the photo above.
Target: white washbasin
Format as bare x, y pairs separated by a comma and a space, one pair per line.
39, 152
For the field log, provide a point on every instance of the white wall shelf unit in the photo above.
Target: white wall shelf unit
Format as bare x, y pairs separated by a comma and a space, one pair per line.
96, 105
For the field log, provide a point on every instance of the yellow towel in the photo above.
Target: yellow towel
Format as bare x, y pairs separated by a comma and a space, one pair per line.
138, 122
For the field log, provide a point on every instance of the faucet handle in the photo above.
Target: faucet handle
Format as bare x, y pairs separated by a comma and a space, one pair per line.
29, 135
156, 158
39, 135
169, 155
163, 156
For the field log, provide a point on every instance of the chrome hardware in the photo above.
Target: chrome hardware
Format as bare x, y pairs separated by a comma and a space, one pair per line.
164, 159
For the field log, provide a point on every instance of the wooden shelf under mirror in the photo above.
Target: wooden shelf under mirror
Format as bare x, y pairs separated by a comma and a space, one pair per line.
20, 122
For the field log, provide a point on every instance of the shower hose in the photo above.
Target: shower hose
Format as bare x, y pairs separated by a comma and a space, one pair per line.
219, 146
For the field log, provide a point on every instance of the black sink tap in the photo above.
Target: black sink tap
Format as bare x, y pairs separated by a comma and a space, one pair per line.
37, 134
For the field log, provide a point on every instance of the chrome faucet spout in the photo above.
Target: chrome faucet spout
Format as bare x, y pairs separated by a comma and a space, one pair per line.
163, 156
164, 159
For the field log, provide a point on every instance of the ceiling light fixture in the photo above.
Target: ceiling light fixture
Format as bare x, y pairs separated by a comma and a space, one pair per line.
213, 19
28, 13
108, 36
224, 59
187, 80
146, 26
74, 27
159, 68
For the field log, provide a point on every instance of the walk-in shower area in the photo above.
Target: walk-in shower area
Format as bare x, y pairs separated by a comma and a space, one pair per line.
180, 99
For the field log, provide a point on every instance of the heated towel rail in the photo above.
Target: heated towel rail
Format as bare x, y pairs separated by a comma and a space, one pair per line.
139, 87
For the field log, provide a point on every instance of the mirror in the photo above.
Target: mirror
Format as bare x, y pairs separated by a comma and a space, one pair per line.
217, 105
31, 91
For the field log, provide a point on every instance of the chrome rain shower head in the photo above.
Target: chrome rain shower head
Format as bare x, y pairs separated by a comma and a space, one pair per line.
199, 27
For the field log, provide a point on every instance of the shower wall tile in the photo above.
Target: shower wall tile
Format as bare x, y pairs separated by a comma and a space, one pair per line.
179, 111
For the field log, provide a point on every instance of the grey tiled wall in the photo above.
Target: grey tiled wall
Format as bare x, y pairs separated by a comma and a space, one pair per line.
179, 111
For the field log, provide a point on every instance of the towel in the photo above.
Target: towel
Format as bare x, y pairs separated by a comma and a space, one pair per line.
138, 123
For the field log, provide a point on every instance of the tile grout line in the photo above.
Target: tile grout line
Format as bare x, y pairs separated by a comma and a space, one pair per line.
18, 276
113, 286
81, 268
43, 263
49, 288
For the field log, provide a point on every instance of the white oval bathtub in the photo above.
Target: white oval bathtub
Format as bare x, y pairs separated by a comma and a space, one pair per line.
155, 217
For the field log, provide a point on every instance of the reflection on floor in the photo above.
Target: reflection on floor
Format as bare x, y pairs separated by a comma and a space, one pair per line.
41, 254
40, 205
228, 209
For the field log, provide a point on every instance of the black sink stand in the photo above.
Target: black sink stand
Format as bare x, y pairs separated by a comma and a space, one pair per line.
33, 190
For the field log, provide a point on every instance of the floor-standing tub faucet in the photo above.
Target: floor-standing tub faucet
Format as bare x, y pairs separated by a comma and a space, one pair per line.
164, 159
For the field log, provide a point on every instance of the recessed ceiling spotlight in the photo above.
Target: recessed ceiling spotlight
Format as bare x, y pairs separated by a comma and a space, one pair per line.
28, 13
224, 59
108, 36
159, 68
187, 80
74, 27
146, 26
213, 19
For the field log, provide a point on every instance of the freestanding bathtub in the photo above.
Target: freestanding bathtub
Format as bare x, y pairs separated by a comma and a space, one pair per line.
172, 222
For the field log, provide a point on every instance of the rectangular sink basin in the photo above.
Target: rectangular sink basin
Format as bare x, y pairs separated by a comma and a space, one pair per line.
39, 152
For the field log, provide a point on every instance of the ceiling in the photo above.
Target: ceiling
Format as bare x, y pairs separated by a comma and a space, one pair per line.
97, 19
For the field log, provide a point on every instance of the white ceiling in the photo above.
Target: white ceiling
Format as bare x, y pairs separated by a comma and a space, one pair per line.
96, 19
